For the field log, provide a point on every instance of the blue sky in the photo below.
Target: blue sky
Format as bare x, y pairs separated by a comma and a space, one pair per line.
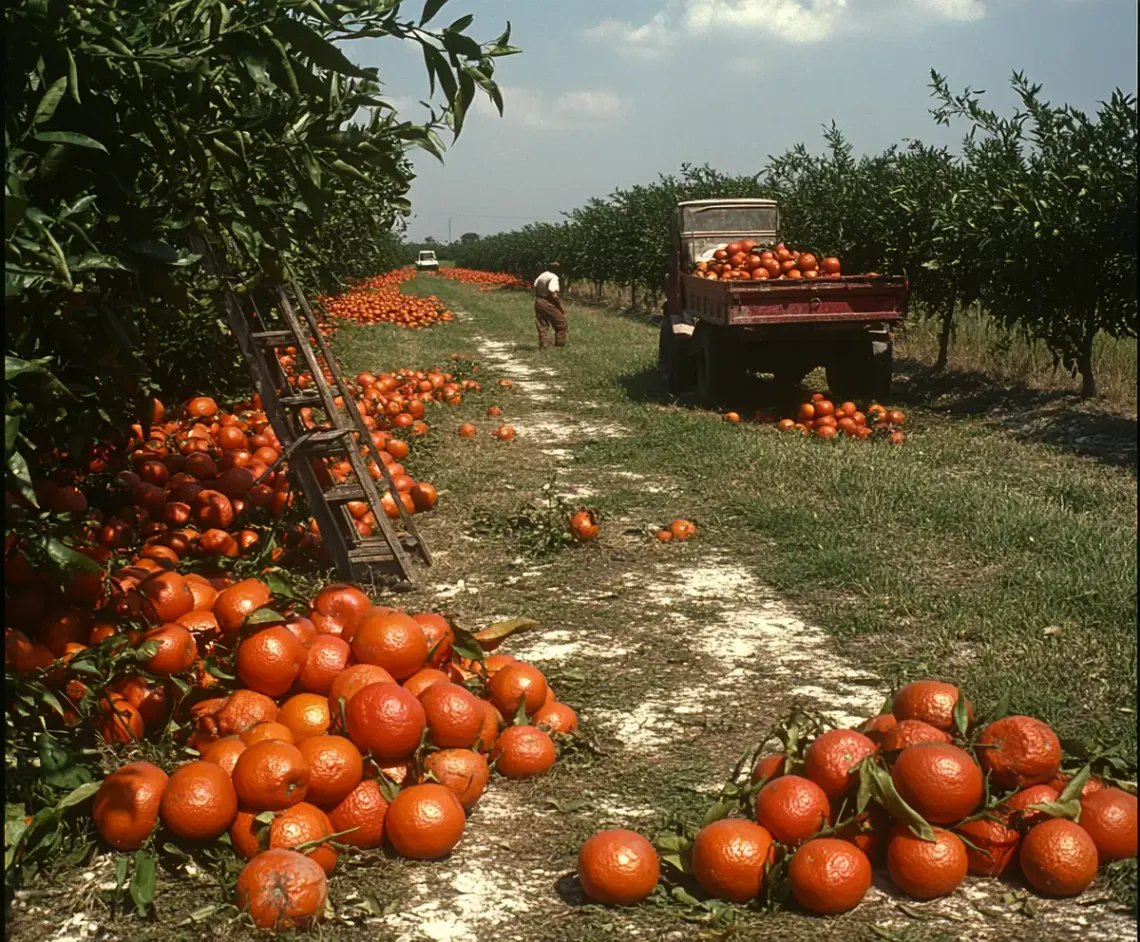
608, 94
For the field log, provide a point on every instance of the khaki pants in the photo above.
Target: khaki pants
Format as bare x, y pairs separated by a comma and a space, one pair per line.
548, 317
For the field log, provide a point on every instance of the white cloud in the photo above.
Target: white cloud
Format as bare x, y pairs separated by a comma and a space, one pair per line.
794, 21
963, 11
577, 110
646, 42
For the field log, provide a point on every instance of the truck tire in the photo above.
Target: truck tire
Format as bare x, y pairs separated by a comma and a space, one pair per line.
674, 359
716, 364
862, 372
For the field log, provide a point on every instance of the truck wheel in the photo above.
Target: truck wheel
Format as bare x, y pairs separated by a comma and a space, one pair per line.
674, 359
862, 372
716, 365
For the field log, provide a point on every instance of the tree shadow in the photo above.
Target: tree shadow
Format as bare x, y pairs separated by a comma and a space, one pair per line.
570, 891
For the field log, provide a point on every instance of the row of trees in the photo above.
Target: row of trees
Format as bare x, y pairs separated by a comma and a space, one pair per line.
1034, 221
136, 128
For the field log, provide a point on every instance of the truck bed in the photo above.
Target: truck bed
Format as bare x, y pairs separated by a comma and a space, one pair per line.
852, 298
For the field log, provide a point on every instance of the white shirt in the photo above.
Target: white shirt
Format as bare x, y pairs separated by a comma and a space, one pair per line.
546, 284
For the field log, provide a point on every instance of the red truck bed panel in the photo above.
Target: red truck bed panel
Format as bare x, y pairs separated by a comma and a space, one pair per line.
883, 298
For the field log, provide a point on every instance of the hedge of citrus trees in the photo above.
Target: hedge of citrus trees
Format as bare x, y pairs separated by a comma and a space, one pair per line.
1034, 221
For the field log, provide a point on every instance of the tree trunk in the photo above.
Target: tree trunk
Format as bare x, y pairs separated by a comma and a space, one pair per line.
1085, 359
946, 336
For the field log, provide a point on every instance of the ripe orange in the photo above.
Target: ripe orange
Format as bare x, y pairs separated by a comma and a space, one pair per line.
924, 869
464, 771
876, 728
515, 684
302, 824
992, 844
911, 733
930, 701
768, 767
492, 723
282, 889
266, 731
119, 721
1018, 751
305, 715
351, 681
941, 782
236, 603
682, 529
271, 776
362, 813
242, 710
523, 752
199, 802
729, 858
831, 760
1059, 858
425, 822
792, 808
1021, 802
269, 660
828, 875
618, 867
345, 603
1109, 817
327, 656
439, 636
177, 650
555, 717
127, 803
225, 753
391, 640
335, 768
424, 678
166, 595
454, 715
385, 721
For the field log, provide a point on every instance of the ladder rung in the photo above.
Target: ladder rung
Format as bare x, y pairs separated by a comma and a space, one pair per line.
371, 551
343, 493
301, 399
276, 338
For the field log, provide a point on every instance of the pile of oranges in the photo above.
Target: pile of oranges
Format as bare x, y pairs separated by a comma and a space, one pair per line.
379, 300
924, 788
748, 260
486, 280
346, 725
822, 418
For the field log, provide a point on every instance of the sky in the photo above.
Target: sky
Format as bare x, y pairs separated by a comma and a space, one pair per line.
609, 93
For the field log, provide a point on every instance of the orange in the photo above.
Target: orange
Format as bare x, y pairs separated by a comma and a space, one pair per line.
730, 857
454, 715
910, 733
1109, 817
204, 593
281, 889
118, 720
203, 625
439, 636
266, 731
353, 679
385, 721
236, 603
302, 629
225, 753
424, 678
555, 717
523, 752
867, 831
768, 767
831, 760
344, 603
391, 640
199, 802
269, 660
327, 656
302, 824
492, 723
425, 822
242, 710
930, 701
271, 776
828, 875
878, 726
1018, 751
1059, 858
363, 813
166, 595
941, 782
464, 771
517, 684
335, 768
1021, 802
618, 867
926, 869
126, 804
305, 714
992, 844
792, 808
177, 650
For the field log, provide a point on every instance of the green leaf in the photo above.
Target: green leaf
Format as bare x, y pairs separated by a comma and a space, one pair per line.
70, 137
882, 788
11, 428
323, 53
431, 8
14, 366
50, 101
143, 881
65, 557
122, 862
147, 650
961, 716
280, 584
722, 809
264, 616
1075, 785
21, 478
77, 796
73, 78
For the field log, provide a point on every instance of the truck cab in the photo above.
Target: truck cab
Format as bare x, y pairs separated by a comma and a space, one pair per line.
426, 261
714, 331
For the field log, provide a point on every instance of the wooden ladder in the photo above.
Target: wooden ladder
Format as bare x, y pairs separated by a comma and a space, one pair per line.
375, 559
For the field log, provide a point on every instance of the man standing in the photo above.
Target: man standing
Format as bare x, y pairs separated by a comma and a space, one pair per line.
548, 310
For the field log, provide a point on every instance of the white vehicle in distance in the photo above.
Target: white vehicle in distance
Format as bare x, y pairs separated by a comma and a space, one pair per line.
426, 261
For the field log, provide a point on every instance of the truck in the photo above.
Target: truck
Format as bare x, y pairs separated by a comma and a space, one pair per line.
426, 261
714, 333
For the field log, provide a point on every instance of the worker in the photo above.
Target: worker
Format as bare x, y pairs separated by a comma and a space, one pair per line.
548, 310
